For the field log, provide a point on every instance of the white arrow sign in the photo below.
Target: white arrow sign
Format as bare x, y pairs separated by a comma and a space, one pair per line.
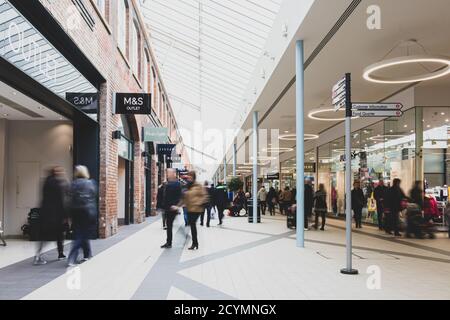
377, 106
377, 113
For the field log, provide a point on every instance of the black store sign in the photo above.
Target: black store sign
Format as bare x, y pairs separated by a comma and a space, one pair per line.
273, 176
310, 167
133, 103
165, 149
86, 102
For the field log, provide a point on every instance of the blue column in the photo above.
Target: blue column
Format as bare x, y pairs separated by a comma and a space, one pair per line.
300, 109
255, 167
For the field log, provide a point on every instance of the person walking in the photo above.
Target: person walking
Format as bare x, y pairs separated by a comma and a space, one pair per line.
417, 195
262, 198
194, 199
334, 201
380, 196
83, 207
221, 200
309, 202
171, 203
53, 213
358, 203
271, 200
395, 198
209, 205
286, 200
320, 206
159, 205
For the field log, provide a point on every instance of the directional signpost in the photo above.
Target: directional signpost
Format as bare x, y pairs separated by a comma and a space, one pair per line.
341, 97
374, 110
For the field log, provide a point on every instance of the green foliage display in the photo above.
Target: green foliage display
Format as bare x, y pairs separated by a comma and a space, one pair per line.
235, 184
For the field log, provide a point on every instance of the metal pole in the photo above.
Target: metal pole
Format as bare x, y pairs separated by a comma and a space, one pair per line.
300, 109
255, 167
348, 178
234, 159
225, 170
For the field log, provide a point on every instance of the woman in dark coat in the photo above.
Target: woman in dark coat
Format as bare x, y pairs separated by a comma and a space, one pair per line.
358, 203
52, 213
395, 197
83, 213
320, 206
271, 199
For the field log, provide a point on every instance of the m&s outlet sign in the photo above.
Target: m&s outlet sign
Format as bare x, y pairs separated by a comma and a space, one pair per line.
132, 103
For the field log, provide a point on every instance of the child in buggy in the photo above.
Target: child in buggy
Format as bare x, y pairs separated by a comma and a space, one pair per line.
416, 224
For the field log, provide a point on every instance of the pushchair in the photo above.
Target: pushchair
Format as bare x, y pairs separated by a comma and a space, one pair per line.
416, 224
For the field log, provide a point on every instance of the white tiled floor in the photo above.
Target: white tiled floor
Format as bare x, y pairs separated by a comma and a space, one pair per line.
246, 261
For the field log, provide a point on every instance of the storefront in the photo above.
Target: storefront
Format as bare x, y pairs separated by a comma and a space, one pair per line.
412, 148
48, 112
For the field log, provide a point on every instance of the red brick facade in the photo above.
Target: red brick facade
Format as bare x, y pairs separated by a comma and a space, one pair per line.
101, 48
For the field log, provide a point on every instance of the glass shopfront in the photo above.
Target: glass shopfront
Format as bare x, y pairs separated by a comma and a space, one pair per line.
413, 147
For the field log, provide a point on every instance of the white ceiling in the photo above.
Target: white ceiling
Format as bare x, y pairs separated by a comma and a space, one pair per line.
32, 110
352, 49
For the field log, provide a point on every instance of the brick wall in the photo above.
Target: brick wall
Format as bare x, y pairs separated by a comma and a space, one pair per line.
100, 47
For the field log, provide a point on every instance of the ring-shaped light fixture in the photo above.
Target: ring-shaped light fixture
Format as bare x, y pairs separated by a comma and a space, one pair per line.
370, 70
278, 150
385, 137
293, 137
264, 158
314, 115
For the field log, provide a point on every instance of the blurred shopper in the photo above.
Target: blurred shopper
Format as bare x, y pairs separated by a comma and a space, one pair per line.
320, 206
53, 213
221, 200
83, 212
184, 183
309, 202
271, 200
194, 199
209, 205
395, 198
417, 195
285, 200
334, 203
239, 202
380, 195
262, 199
170, 203
159, 205
358, 203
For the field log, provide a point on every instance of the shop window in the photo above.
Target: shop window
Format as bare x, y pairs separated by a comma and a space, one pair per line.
146, 74
135, 50
122, 25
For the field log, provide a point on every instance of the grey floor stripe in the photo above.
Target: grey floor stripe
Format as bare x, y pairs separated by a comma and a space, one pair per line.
22, 278
398, 241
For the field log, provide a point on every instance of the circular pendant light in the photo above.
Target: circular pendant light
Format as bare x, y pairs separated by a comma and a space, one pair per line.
418, 59
293, 137
316, 115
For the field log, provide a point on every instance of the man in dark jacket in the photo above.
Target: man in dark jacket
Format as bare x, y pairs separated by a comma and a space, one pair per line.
309, 200
170, 201
221, 200
380, 195
209, 205
395, 196
159, 205
358, 203
53, 213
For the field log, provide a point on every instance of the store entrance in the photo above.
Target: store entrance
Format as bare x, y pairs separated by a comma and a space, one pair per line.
33, 139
